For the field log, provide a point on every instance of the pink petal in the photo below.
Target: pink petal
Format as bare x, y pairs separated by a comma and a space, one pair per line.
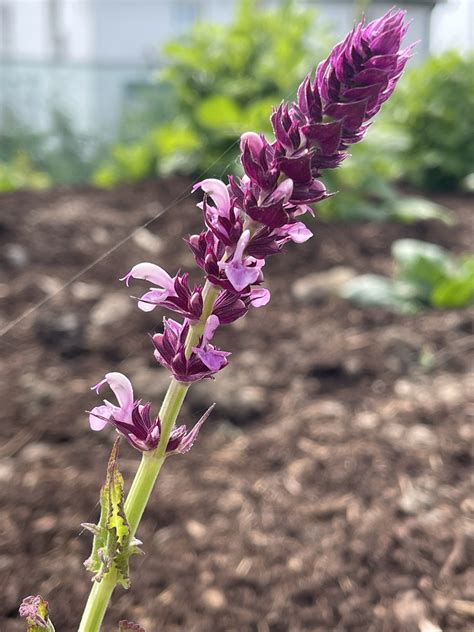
151, 299
298, 232
212, 323
122, 388
97, 422
282, 192
240, 275
253, 141
216, 190
259, 296
150, 272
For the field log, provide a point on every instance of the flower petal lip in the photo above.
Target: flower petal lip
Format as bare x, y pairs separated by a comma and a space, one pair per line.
259, 296
122, 388
99, 417
149, 272
218, 192
123, 391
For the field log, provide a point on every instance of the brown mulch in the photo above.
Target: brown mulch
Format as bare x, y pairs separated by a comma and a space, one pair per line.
330, 489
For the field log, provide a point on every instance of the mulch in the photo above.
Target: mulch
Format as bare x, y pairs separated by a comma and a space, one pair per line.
330, 491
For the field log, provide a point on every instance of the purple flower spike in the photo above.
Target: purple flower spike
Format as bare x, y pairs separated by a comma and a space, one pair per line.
123, 391
334, 110
352, 84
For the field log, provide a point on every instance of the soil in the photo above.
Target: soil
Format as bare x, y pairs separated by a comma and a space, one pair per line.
330, 489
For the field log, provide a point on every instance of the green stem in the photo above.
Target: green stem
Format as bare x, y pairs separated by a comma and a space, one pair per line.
147, 472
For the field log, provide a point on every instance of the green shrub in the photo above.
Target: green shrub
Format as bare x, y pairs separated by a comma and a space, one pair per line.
365, 181
19, 173
434, 108
60, 152
425, 275
225, 80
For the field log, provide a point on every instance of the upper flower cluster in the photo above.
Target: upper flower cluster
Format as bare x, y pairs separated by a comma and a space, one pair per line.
253, 217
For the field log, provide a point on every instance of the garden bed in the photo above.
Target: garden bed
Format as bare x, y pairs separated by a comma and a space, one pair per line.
329, 490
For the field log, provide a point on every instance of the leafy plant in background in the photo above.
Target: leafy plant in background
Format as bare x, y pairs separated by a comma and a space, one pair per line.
434, 111
19, 173
59, 154
225, 79
425, 275
246, 220
367, 182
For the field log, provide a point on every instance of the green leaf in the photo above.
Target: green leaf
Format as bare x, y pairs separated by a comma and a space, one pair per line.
421, 264
220, 113
458, 291
371, 290
112, 545
412, 209
453, 293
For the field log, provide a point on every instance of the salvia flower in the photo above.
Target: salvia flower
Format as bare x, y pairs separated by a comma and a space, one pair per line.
205, 359
133, 420
174, 293
222, 219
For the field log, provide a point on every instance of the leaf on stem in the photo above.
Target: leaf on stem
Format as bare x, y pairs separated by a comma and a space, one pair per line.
113, 544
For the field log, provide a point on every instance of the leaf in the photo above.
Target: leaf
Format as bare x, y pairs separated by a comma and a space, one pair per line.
113, 544
412, 209
421, 264
456, 292
370, 290
219, 112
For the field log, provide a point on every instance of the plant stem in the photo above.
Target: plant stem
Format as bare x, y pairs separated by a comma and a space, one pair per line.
147, 472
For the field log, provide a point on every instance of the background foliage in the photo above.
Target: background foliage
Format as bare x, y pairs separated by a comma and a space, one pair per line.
225, 80
433, 110
425, 275
30, 159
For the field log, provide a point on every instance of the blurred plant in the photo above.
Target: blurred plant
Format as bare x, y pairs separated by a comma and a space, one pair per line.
368, 193
19, 173
60, 154
246, 220
434, 110
225, 79
425, 275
